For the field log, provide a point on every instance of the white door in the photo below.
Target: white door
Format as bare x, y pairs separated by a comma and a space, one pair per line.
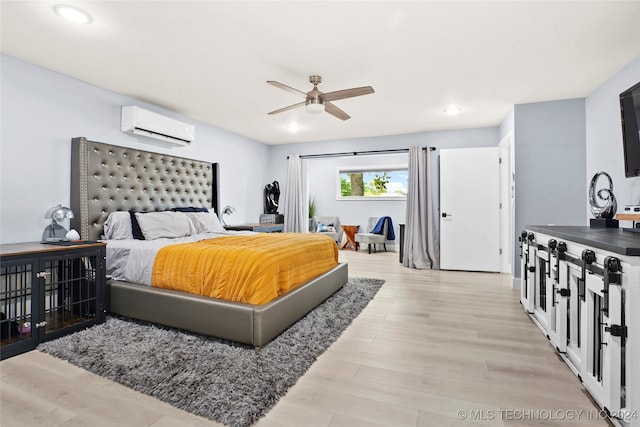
470, 209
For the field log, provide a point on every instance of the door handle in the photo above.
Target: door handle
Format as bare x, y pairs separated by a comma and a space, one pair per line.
445, 215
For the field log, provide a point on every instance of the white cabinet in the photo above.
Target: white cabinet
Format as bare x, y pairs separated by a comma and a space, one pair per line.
601, 373
528, 256
539, 286
570, 279
582, 288
543, 290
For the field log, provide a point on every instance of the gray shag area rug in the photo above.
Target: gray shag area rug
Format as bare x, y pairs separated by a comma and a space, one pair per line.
230, 383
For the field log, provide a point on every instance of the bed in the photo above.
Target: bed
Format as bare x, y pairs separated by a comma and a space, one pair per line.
107, 178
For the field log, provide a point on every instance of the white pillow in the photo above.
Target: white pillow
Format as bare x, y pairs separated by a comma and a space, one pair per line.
156, 225
118, 226
205, 222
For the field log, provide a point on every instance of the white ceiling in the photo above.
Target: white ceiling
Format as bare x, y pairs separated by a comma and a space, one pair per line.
210, 60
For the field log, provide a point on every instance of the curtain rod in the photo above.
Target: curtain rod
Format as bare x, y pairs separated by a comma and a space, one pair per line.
360, 153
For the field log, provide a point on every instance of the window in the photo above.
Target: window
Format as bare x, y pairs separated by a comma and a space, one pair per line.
388, 183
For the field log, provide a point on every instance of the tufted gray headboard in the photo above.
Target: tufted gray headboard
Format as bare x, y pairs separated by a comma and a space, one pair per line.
107, 178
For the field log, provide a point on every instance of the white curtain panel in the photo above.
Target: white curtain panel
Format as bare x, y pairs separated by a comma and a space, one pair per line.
294, 219
421, 240
433, 208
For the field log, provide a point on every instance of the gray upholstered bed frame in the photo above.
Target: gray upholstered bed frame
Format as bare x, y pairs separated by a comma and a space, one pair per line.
107, 178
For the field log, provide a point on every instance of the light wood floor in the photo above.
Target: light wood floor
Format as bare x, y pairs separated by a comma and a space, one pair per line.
431, 348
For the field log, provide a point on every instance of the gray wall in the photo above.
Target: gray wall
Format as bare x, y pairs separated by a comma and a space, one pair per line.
321, 173
550, 159
507, 125
42, 111
604, 136
560, 145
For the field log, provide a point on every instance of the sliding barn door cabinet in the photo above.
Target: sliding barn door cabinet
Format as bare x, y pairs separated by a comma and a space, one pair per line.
47, 291
581, 287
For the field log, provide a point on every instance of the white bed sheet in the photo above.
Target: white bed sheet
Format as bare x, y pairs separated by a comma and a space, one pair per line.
132, 260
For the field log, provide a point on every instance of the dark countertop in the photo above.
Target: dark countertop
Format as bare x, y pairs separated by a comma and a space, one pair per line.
617, 240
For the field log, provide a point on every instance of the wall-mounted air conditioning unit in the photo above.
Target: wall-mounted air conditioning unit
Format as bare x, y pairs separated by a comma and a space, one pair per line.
143, 122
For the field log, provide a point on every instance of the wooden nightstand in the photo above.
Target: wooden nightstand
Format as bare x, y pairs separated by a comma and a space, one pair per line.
47, 291
259, 228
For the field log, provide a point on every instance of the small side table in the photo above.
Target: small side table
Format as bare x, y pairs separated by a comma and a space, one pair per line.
348, 236
633, 217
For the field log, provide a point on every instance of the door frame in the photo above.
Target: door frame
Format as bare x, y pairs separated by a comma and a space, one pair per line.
507, 201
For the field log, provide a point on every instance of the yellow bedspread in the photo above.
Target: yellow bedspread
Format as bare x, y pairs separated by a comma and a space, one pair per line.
254, 268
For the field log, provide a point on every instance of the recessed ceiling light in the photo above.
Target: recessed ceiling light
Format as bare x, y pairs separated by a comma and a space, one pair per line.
452, 110
72, 14
294, 127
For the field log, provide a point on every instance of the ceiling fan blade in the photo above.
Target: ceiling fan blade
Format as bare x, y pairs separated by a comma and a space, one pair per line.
290, 107
285, 87
335, 111
347, 93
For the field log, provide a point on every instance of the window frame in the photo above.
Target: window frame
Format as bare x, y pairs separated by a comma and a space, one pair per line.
369, 169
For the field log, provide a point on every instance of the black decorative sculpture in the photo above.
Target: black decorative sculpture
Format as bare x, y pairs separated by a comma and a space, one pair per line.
603, 215
610, 207
271, 197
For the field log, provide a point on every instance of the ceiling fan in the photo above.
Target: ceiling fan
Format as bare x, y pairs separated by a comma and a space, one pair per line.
317, 101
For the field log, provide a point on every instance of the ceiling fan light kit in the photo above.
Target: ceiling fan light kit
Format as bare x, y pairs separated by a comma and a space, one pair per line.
317, 102
314, 106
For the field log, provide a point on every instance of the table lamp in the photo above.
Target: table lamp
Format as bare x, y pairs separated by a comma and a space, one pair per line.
228, 210
55, 232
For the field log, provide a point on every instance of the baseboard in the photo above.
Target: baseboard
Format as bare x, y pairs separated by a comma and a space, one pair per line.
516, 283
